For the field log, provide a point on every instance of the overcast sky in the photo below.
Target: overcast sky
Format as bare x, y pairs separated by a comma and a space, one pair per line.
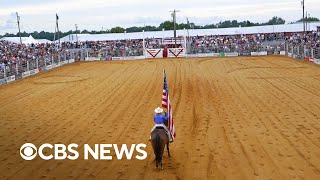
38, 15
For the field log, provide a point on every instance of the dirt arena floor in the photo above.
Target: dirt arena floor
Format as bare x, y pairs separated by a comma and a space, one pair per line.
236, 118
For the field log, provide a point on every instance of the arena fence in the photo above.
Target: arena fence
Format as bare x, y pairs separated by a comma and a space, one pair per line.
309, 54
27, 67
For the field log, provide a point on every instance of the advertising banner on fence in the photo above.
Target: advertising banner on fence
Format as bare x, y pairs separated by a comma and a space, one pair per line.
154, 53
231, 54
176, 52
49, 67
128, 58
35, 71
26, 74
92, 58
57, 65
245, 54
222, 54
203, 55
262, 53
11, 78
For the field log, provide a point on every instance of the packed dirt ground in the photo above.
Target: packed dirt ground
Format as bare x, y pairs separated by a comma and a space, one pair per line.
236, 118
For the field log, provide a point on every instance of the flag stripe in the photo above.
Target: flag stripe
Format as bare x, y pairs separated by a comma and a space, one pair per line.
166, 104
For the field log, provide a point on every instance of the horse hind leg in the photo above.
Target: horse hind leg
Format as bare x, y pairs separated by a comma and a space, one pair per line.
168, 150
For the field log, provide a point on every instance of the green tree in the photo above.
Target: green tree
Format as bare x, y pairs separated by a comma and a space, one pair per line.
167, 25
310, 19
276, 20
234, 23
134, 29
209, 26
85, 31
117, 30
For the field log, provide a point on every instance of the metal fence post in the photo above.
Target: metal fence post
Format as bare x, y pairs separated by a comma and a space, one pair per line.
28, 66
37, 62
17, 69
312, 53
5, 73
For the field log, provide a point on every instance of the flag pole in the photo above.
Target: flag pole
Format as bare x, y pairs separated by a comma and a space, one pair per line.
57, 25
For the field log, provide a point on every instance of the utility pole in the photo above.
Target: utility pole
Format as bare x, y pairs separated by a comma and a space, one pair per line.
309, 22
18, 21
174, 26
76, 32
303, 19
188, 27
188, 23
306, 20
57, 25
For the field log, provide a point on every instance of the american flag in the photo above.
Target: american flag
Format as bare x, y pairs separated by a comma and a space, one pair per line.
166, 104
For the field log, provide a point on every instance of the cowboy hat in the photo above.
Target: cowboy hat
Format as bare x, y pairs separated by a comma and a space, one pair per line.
158, 110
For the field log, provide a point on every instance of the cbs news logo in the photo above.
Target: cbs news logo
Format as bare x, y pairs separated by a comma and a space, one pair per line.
29, 151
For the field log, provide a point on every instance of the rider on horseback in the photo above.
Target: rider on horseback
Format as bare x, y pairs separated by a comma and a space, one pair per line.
160, 120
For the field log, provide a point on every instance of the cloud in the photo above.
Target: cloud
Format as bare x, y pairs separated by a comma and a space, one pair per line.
9, 22
95, 14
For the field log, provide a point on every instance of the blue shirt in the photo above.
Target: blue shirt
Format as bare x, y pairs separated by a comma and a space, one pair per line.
159, 119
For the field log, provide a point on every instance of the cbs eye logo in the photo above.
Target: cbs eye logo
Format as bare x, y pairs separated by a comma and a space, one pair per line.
28, 151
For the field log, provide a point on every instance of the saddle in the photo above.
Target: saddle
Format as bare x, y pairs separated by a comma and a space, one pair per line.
162, 126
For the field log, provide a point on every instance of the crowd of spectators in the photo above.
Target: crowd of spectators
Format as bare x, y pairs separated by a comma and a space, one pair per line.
13, 53
252, 42
309, 39
14, 56
234, 43
118, 48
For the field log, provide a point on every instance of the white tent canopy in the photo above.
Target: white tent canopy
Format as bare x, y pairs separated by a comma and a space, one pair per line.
43, 41
25, 40
192, 32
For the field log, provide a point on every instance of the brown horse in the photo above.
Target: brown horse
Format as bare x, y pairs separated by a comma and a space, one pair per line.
159, 139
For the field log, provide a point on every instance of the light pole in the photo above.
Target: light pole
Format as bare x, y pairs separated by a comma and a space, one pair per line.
174, 26
303, 20
76, 32
18, 22
308, 19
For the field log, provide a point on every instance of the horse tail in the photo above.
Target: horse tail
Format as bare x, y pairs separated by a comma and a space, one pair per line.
157, 149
